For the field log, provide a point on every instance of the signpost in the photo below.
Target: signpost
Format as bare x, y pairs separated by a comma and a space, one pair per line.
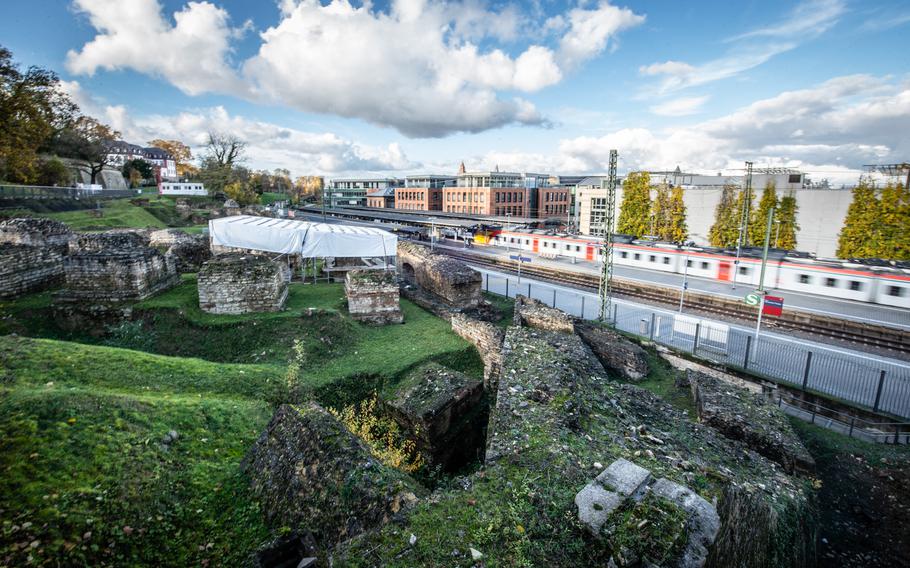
773, 306
520, 259
752, 298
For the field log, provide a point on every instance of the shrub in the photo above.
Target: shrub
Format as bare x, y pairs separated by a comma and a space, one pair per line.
381, 434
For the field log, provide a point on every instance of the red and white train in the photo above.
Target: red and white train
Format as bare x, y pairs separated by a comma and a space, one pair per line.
887, 285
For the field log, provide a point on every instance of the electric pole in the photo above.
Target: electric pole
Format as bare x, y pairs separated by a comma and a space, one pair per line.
744, 219
605, 291
761, 277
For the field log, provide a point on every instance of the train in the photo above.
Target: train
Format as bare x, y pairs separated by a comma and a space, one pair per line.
876, 282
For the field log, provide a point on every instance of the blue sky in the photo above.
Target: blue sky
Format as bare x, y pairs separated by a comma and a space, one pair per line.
415, 85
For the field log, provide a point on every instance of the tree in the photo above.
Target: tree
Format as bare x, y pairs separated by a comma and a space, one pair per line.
750, 218
241, 192
180, 152
725, 230
137, 170
53, 172
306, 187
660, 213
220, 164
634, 213
225, 149
677, 231
785, 232
894, 240
859, 237
87, 142
32, 109
758, 219
281, 180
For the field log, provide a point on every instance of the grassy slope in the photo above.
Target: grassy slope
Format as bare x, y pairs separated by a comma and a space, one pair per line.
81, 424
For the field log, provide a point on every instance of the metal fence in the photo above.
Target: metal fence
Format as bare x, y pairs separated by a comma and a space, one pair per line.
48, 192
861, 380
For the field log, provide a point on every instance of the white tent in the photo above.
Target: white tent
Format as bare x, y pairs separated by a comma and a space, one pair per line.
309, 240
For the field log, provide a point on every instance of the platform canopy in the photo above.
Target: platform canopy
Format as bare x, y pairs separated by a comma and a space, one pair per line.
310, 240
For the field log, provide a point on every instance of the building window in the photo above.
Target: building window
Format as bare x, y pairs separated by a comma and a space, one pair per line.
804, 279
795, 178
856, 285
830, 282
896, 291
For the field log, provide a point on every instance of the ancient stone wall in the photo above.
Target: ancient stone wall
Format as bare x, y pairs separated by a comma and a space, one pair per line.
615, 352
452, 281
534, 313
444, 409
373, 296
189, 255
113, 241
239, 284
309, 471
487, 338
166, 238
35, 232
742, 415
25, 268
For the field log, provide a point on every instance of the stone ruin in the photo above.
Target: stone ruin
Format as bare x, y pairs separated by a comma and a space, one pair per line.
624, 484
309, 471
487, 338
240, 284
616, 353
189, 251
105, 272
373, 296
453, 282
443, 407
31, 255
751, 418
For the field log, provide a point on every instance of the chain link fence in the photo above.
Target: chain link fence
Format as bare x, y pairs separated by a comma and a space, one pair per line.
861, 380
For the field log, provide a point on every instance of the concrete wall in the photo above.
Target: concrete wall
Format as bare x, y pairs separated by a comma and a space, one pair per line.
820, 216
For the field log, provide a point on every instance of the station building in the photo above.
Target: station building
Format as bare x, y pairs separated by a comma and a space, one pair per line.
423, 192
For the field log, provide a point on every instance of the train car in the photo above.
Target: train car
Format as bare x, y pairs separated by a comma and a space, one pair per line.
884, 283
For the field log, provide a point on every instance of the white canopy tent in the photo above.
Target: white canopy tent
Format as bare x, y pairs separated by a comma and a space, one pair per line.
309, 240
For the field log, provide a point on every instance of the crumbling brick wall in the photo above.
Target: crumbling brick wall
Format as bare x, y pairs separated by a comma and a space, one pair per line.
25, 268
534, 313
454, 282
36, 232
239, 284
487, 338
373, 296
614, 351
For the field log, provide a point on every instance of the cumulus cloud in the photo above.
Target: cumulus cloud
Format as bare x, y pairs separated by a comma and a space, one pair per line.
833, 128
425, 67
807, 20
269, 145
192, 53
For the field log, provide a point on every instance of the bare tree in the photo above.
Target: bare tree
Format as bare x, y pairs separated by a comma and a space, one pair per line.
225, 149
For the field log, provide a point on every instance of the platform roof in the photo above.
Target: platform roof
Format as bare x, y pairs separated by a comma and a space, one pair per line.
310, 240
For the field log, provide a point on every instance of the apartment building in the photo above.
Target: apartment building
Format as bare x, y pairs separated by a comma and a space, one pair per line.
422, 192
495, 193
381, 198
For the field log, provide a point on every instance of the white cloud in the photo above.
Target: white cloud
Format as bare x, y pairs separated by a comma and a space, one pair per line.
425, 67
806, 21
833, 129
269, 146
191, 53
680, 107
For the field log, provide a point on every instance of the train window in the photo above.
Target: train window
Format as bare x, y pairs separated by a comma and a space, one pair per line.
688, 264
830, 282
527, 241
624, 254
666, 260
568, 247
704, 266
637, 256
856, 285
577, 248
896, 291
651, 258
804, 279
744, 270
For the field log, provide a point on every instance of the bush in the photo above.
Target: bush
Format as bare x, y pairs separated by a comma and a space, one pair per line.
381, 434
242, 193
53, 172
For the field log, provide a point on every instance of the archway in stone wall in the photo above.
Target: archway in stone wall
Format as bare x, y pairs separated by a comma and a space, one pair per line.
407, 272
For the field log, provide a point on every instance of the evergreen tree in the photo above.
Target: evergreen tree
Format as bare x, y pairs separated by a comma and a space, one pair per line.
750, 219
725, 230
892, 223
634, 213
677, 231
785, 232
759, 218
660, 213
859, 237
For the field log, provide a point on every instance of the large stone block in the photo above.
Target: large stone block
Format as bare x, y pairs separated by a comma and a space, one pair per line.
36, 232
615, 352
453, 281
373, 296
309, 472
239, 284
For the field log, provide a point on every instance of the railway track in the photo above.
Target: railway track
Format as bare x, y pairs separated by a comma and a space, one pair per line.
846, 330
